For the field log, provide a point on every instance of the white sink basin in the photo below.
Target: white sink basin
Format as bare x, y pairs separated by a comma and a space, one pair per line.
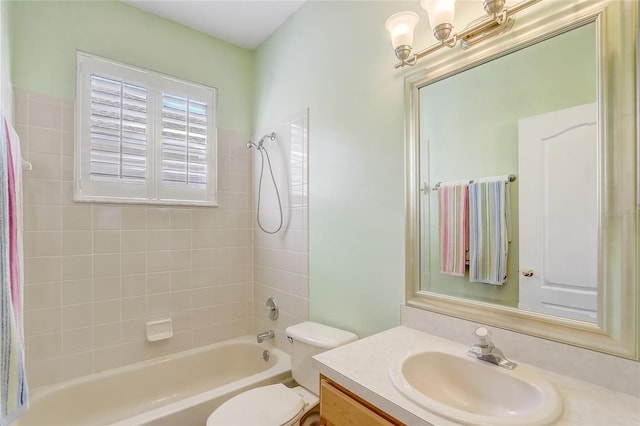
474, 392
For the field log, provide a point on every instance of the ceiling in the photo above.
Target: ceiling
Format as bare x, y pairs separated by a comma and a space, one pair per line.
245, 23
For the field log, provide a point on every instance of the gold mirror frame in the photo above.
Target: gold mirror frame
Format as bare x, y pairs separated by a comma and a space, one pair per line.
616, 332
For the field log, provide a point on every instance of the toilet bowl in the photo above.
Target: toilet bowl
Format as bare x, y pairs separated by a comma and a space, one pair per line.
278, 405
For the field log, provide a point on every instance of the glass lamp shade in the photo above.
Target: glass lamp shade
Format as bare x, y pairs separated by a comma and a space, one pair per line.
401, 25
439, 11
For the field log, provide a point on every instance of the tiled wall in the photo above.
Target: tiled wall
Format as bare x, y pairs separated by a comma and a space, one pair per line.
281, 259
96, 273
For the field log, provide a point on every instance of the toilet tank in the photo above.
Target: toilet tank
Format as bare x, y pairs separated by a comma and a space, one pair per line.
308, 339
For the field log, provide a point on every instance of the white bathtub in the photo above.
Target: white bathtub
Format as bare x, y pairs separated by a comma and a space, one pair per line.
181, 389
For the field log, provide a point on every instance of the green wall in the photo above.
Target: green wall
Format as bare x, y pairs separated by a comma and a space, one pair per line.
46, 34
335, 57
5, 63
470, 121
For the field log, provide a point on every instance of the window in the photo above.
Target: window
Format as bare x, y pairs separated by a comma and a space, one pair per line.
143, 137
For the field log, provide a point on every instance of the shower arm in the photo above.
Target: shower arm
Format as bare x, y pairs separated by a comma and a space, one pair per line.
271, 136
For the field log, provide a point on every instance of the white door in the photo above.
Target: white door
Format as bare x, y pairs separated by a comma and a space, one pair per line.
559, 187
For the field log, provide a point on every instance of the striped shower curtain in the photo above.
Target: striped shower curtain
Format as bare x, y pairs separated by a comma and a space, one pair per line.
13, 384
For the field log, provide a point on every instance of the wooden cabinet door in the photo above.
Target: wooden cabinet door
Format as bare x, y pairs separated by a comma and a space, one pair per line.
338, 408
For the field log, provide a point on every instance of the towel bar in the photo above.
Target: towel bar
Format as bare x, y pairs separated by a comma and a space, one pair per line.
511, 178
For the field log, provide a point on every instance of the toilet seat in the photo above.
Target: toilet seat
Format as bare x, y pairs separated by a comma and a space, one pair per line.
267, 405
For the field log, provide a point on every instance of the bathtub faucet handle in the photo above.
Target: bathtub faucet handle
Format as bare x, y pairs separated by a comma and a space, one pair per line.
265, 335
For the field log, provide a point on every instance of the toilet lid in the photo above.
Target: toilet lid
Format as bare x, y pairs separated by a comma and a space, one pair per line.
266, 405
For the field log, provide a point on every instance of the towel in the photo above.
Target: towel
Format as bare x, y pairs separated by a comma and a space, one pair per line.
453, 227
13, 384
489, 230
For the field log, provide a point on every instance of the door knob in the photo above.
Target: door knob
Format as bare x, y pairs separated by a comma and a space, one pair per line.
527, 272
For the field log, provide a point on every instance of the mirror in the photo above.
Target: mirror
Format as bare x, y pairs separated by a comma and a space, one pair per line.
490, 100
549, 109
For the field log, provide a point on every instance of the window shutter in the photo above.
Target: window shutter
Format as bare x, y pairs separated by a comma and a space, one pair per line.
118, 131
184, 142
142, 136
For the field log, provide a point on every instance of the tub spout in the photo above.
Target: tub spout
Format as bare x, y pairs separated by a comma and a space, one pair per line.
265, 335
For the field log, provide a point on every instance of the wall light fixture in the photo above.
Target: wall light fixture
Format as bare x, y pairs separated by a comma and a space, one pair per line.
498, 20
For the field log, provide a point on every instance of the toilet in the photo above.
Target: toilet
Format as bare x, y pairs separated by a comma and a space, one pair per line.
278, 405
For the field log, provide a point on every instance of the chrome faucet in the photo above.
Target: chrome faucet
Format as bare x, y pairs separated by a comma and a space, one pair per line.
484, 350
265, 335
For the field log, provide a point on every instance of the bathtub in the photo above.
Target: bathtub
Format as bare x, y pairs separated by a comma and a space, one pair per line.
181, 389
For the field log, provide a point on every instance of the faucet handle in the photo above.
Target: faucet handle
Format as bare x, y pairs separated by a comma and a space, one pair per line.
483, 336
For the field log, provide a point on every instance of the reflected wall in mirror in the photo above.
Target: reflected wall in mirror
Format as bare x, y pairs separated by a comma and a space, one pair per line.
469, 128
552, 103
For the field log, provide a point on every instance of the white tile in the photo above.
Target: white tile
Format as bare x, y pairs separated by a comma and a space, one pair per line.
45, 166
43, 296
159, 282
133, 263
106, 217
106, 288
158, 261
107, 335
42, 269
77, 267
76, 218
44, 372
77, 340
134, 307
180, 300
159, 304
181, 280
133, 241
42, 218
106, 265
45, 346
45, 141
181, 219
158, 239
77, 316
134, 285
37, 244
158, 218
77, 365
76, 243
202, 297
107, 358
180, 260
134, 218
134, 352
106, 241
77, 291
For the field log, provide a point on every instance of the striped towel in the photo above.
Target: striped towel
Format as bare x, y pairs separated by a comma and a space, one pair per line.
453, 227
13, 384
489, 230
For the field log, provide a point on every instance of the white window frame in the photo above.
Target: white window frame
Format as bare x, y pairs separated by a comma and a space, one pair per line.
151, 192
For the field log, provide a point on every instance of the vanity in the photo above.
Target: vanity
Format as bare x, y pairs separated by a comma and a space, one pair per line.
360, 373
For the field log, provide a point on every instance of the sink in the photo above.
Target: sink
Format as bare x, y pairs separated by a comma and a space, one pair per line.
475, 392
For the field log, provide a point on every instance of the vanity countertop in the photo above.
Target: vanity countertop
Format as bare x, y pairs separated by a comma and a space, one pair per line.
362, 367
